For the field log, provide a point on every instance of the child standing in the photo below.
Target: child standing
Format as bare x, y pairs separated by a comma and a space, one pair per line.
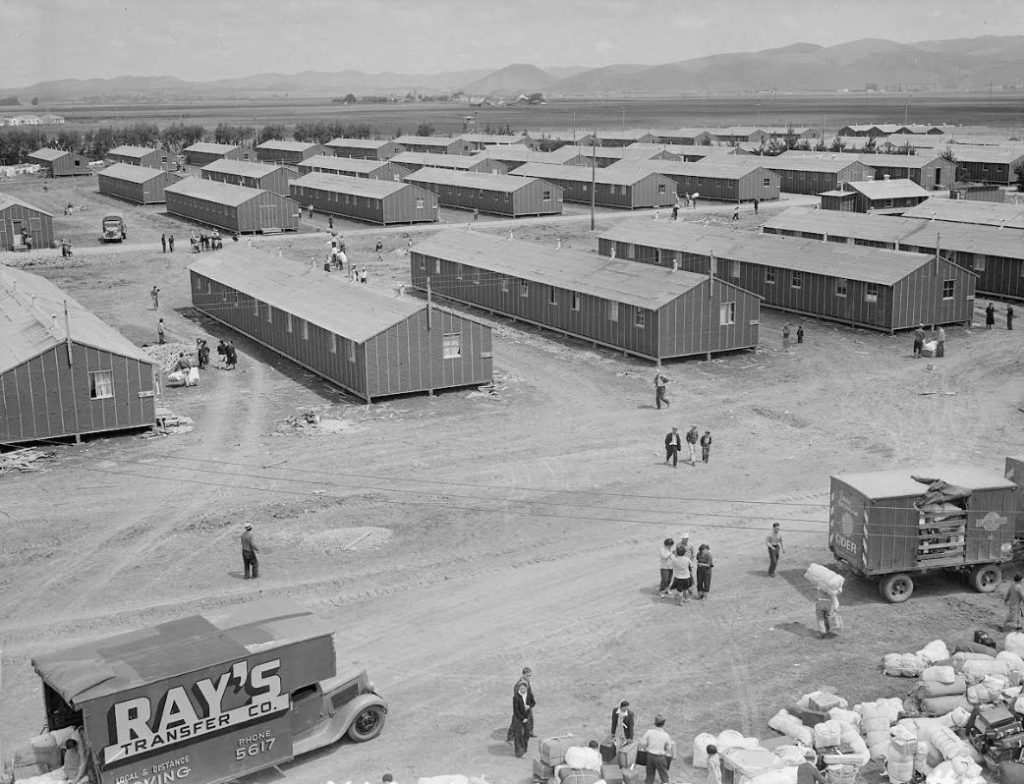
714, 765
705, 563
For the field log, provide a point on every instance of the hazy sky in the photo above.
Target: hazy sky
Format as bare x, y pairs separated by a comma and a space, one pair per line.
209, 39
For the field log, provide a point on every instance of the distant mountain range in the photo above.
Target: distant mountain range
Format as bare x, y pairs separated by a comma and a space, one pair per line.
956, 64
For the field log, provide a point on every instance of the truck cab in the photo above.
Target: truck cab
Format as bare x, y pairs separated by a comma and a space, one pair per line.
347, 704
113, 229
208, 697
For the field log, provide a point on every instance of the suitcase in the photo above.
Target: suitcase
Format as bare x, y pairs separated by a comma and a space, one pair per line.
608, 750
542, 771
641, 758
823, 702
808, 716
1014, 741
612, 774
626, 757
997, 734
552, 750
993, 716
984, 638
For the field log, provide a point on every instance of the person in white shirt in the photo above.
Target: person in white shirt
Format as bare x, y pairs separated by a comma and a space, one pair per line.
660, 749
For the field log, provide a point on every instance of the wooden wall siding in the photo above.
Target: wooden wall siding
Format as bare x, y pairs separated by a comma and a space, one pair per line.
290, 157
649, 192
398, 207
525, 201
264, 211
591, 321
152, 159
382, 153
691, 324
203, 158
1000, 276
862, 203
275, 182
148, 192
742, 188
70, 165
923, 175
410, 358
47, 398
38, 223
405, 358
814, 182
996, 173
917, 298
389, 171
237, 310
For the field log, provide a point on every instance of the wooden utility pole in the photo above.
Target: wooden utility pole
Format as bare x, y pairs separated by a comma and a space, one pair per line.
593, 177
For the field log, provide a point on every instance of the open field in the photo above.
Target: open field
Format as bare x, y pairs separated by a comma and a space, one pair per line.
1000, 110
520, 528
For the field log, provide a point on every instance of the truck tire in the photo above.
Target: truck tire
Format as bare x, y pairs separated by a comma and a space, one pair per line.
368, 724
986, 578
896, 588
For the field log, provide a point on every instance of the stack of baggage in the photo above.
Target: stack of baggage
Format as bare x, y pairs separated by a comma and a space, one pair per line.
997, 733
942, 532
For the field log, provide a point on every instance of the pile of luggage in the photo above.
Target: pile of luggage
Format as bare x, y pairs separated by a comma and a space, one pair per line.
611, 763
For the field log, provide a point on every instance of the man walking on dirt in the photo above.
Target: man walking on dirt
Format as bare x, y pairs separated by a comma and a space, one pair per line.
250, 561
524, 679
160, 332
170, 243
163, 243
775, 548
692, 436
673, 444
660, 380
155, 294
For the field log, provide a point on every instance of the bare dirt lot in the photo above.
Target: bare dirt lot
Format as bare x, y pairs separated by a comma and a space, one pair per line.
452, 539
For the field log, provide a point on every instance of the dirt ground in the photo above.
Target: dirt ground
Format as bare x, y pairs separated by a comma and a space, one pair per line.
453, 539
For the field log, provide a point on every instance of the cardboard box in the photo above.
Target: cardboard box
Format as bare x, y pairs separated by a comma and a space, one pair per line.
542, 770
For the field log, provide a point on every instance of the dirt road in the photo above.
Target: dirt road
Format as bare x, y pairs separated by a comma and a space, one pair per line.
504, 530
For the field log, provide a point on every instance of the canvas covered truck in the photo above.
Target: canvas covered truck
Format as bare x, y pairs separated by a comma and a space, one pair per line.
892, 527
203, 699
113, 229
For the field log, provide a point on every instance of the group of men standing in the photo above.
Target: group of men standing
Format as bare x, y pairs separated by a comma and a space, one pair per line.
674, 445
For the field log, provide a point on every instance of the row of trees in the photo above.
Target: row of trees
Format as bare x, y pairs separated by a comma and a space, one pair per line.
16, 143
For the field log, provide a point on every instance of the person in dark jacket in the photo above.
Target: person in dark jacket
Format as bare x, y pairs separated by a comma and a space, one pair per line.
990, 316
673, 443
522, 714
623, 722
705, 563
250, 560
524, 680
705, 446
1009, 317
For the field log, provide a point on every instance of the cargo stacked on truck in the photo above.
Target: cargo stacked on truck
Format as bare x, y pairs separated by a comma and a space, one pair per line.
210, 697
890, 525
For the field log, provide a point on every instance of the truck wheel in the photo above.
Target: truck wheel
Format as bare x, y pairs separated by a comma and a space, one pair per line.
986, 578
896, 588
368, 724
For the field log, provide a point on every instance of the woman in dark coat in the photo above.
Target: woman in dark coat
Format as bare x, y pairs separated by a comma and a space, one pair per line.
990, 316
520, 721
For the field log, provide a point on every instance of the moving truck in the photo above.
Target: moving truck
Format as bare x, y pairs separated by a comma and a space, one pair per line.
207, 698
112, 229
890, 526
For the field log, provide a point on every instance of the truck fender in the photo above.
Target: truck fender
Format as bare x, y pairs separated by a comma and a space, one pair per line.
345, 714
